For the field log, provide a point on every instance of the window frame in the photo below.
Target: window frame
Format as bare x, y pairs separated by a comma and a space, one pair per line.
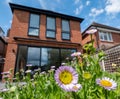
52, 30
65, 32
108, 35
29, 27
40, 47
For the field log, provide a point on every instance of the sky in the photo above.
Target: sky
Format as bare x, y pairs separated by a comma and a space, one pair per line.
101, 11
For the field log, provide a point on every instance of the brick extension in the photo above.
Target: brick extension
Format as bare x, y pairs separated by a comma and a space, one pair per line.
18, 33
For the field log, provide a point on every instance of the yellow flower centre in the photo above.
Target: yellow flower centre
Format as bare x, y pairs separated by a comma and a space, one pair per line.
87, 75
66, 77
105, 83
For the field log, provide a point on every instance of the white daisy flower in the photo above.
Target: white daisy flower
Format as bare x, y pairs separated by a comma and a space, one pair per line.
107, 83
91, 31
28, 71
76, 87
66, 77
75, 54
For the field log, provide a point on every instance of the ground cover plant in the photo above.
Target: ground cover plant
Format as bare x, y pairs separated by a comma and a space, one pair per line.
81, 78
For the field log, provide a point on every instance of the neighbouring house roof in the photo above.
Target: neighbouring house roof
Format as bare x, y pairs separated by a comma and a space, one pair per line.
2, 37
46, 12
1, 32
98, 25
3, 40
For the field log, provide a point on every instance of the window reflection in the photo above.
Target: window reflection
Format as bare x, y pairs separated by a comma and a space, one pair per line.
40, 57
33, 56
21, 58
50, 29
66, 53
65, 30
34, 25
49, 57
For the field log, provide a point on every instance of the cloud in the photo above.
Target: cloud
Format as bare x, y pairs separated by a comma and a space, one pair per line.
95, 12
7, 1
47, 4
77, 1
43, 4
78, 10
87, 3
10, 21
112, 6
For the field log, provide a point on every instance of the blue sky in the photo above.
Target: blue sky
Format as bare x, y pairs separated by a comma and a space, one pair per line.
102, 11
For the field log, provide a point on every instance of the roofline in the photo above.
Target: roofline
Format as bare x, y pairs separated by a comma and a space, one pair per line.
46, 12
2, 30
102, 26
3, 40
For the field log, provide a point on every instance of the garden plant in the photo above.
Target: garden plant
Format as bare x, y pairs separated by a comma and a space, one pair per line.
79, 78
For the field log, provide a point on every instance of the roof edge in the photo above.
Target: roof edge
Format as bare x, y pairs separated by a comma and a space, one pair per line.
42, 11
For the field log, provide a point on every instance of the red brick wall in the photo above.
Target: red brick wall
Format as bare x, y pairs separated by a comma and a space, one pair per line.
87, 39
19, 28
116, 37
107, 44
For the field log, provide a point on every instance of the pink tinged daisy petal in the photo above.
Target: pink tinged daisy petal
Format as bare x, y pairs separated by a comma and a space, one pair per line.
4, 90
28, 71
107, 83
5, 73
76, 87
75, 54
65, 77
6, 76
52, 67
29, 65
91, 31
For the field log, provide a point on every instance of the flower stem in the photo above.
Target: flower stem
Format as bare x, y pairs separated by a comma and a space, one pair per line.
85, 91
106, 94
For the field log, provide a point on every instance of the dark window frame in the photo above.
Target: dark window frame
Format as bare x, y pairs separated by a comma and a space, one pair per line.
66, 32
47, 29
29, 27
28, 45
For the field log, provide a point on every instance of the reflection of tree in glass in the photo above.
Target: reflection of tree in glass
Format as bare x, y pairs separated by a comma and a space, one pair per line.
65, 53
54, 57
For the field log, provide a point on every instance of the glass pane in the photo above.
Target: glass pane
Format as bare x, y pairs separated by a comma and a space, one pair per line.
33, 56
21, 58
34, 20
50, 23
109, 36
49, 57
66, 53
101, 35
51, 34
66, 36
105, 37
65, 25
34, 32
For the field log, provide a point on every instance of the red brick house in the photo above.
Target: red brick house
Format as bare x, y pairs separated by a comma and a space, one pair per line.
3, 45
41, 38
105, 37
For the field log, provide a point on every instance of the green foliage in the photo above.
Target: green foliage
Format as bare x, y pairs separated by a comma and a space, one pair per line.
43, 85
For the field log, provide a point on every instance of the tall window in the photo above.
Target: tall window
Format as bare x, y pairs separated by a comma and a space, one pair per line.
105, 36
65, 30
34, 25
41, 57
50, 29
33, 57
49, 57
